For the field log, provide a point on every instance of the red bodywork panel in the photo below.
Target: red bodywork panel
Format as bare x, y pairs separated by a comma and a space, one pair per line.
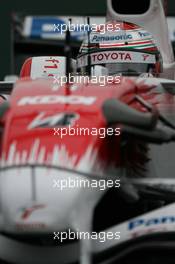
30, 99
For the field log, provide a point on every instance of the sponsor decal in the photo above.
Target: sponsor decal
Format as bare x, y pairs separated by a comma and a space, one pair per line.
61, 119
52, 27
141, 222
30, 226
50, 64
117, 56
56, 99
124, 56
123, 37
47, 67
27, 212
143, 34
145, 57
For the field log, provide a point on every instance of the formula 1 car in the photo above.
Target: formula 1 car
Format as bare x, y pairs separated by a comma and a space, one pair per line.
37, 160
74, 153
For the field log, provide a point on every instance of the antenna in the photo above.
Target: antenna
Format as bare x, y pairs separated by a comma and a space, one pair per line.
89, 57
67, 52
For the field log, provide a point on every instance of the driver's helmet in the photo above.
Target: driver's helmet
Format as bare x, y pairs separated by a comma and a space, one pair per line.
122, 48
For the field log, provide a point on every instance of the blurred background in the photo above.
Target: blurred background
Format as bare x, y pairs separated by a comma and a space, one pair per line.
10, 45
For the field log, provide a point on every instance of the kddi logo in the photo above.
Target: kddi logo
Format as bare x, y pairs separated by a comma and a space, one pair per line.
54, 99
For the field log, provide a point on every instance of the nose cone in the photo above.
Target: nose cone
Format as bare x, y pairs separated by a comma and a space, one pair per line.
44, 200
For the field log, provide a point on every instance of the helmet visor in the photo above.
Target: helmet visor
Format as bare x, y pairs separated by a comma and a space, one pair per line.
128, 69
